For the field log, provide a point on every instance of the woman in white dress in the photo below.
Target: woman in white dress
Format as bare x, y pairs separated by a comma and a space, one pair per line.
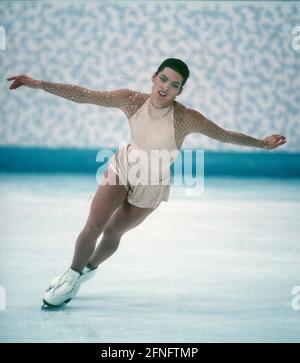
157, 122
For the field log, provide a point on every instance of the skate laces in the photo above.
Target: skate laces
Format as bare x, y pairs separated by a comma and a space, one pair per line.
60, 280
67, 279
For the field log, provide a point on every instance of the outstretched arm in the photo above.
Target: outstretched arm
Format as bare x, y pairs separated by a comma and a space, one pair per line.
199, 123
79, 94
116, 98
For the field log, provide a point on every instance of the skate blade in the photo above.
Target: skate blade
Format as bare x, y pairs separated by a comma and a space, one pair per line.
46, 305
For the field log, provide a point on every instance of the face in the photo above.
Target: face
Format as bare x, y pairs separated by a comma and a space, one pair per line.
169, 82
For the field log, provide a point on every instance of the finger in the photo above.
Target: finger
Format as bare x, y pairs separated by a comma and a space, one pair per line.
11, 78
280, 138
15, 85
281, 142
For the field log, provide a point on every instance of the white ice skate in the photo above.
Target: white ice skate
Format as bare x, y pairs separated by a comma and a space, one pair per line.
65, 290
87, 273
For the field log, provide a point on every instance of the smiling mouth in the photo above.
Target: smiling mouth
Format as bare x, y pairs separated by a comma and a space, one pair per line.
161, 94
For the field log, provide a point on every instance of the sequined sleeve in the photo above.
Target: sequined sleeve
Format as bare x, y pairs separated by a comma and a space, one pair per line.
115, 98
196, 122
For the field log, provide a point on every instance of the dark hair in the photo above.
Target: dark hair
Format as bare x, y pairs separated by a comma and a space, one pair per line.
177, 65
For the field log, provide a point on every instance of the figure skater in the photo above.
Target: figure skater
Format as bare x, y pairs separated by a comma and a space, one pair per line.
157, 122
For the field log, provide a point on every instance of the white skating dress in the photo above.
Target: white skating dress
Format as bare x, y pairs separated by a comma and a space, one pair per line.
154, 132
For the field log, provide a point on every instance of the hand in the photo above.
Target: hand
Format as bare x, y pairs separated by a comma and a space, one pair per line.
274, 141
23, 80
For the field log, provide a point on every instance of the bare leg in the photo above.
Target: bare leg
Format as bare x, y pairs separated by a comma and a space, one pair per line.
125, 218
107, 246
106, 200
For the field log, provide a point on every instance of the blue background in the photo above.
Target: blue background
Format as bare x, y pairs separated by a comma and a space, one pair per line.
244, 76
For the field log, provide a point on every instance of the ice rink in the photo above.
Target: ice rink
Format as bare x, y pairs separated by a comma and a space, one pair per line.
217, 268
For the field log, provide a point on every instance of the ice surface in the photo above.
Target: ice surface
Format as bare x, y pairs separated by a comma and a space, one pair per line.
217, 268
